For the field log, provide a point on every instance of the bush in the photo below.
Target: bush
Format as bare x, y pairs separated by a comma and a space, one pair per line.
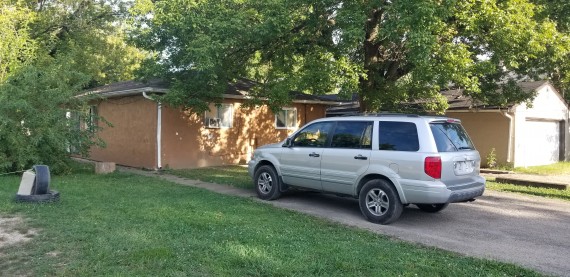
492, 159
35, 126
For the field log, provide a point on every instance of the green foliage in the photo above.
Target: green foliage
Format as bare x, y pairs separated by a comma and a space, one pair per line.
398, 55
17, 48
49, 52
90, 34
492, 159
34, 126
558, 68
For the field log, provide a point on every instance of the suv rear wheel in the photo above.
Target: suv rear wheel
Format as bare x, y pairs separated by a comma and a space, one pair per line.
266, 183
432, 208
379, 202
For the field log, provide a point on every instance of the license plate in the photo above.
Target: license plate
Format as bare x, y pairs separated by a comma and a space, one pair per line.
463, 167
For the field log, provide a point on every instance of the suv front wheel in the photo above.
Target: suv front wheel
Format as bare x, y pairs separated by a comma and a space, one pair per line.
266, 183
379, 202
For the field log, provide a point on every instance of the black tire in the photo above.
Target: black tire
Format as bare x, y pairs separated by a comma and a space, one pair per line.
41, 183
379, 202
432, 208
52, 196
266, 183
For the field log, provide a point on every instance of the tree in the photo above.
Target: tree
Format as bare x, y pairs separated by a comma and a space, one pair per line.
17, 48
49, 52
89, 34
559, 52
392, 53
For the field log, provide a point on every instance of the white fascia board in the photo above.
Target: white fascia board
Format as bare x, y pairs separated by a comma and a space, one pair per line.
122, 93
244, 97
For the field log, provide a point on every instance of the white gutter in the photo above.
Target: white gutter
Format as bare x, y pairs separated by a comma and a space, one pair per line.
158, 130
510, 149
245, 97
122, 93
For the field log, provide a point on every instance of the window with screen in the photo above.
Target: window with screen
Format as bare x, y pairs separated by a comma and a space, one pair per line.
286, 118
221, 116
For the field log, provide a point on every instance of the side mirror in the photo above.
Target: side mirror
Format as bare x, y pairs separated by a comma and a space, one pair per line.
287, 143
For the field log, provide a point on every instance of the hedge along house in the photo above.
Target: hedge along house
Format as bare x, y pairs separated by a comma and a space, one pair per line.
537, 134
146, 134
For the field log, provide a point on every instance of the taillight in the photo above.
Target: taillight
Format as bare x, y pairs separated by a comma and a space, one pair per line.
432, 167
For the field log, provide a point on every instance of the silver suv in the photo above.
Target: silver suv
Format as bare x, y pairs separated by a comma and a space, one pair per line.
386, 161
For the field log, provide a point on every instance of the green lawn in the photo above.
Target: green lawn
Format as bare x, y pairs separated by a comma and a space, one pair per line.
237, 176
545, 192
560, 168
127, 225
233, 175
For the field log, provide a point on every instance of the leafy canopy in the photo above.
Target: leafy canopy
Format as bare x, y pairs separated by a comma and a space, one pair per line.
50, 51
396, 55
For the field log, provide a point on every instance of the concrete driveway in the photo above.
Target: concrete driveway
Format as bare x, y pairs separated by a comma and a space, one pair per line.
533, 232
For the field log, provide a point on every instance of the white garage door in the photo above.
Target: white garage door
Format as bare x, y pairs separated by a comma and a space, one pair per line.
542, 141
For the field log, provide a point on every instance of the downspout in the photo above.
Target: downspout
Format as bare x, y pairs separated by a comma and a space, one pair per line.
158, 130
510, 149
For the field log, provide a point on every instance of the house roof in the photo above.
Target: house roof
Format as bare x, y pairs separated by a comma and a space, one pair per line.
235, 90
455, 99
127, 88
458, 101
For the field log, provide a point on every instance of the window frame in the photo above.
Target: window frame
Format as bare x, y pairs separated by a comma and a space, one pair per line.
219, 114
286, 110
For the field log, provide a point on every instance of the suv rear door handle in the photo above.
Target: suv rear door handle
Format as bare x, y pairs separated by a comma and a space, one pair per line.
360, 157
315, 155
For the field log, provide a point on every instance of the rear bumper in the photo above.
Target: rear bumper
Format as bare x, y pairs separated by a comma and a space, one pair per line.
436, 192
464, 195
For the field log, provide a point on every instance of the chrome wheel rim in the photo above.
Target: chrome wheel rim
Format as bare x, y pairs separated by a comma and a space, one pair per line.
377, 202
264, 183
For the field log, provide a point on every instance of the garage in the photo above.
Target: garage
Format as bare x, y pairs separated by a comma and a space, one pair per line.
542, 142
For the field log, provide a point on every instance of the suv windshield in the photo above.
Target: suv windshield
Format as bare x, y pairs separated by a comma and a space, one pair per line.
450, 137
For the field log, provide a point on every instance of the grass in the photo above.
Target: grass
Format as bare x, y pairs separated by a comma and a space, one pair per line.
544, 192
237, 176
232, 175
127, 225
560, 168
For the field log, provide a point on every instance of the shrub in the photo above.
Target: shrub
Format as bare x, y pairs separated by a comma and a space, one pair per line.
492, 159
35, 126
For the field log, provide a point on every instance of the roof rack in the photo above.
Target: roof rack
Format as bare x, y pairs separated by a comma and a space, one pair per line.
382, 114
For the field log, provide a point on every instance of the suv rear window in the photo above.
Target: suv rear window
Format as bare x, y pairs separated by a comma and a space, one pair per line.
398, 136
450, 137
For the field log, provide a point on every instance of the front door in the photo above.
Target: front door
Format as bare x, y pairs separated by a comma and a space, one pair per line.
347, 157
301, 162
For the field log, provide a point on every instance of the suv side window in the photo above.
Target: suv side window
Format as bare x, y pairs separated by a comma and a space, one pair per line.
352, 134
398, 136
314, 135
